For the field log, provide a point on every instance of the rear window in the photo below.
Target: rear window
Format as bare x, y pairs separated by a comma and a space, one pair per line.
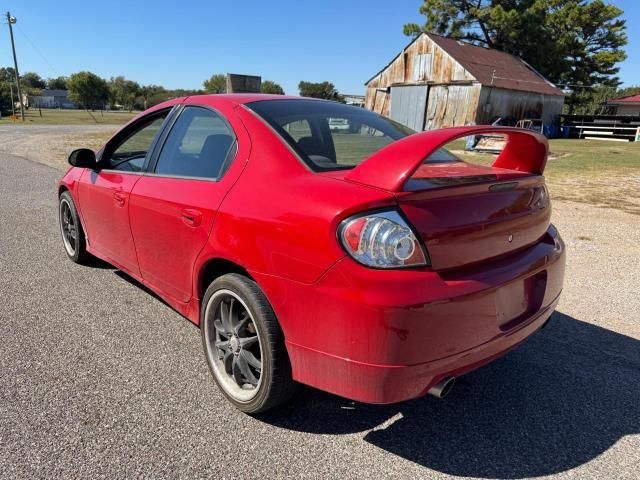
329, 135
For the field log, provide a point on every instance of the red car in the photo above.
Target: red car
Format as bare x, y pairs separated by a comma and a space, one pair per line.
366, 261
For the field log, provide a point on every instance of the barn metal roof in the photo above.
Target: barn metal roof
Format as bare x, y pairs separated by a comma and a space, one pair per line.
493, 67
623, 100
46, 92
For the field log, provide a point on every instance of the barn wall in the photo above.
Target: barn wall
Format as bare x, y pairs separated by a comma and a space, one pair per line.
421, 62
451, 105
628, 110
498, 102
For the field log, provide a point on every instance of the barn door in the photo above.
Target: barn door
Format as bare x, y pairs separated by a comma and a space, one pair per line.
451, 106
408, 105
381, 102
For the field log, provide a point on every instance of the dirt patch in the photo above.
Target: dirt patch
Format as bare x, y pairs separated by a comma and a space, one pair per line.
603, 264
619, 190
556, 155
52, 144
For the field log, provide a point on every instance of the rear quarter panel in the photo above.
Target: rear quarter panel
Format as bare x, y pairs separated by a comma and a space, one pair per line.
280, 218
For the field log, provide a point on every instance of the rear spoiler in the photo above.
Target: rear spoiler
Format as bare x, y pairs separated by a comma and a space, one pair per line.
390, 167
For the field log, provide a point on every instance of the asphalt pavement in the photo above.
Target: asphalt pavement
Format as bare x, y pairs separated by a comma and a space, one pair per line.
100, 379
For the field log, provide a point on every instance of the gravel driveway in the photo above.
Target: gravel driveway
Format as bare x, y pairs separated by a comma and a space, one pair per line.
100, 379
51, 144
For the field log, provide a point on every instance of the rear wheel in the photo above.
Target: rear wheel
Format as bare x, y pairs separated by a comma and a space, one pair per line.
244, 345
71, 229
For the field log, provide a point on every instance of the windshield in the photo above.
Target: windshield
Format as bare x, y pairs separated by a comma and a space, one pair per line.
329, 135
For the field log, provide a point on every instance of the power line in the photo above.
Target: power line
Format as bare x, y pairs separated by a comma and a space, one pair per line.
23, 33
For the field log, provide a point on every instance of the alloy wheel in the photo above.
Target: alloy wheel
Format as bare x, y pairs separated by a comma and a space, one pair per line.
234, 351
68, 228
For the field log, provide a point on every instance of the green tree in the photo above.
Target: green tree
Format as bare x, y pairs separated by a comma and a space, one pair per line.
7, 83
592, 101
123, 92
5, 94
216, 84
7, 73
182, 92
5, 97
58, 83
31, 80
628, 91
269, 86
88, 90
31, 84
150, 95
325, 90
574, 43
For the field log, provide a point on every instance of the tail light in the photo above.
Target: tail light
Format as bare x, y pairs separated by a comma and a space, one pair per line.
541, 198
382, 240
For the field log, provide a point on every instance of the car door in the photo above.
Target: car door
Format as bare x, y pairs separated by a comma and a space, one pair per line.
104, 192
172, 208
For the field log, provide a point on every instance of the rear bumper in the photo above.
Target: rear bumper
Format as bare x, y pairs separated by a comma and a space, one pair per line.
372, 383
386, 336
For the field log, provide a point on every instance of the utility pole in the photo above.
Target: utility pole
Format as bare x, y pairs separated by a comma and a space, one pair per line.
13, 104
11, 20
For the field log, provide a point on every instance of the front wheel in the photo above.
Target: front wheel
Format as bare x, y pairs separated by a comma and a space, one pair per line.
71, 229
244, 345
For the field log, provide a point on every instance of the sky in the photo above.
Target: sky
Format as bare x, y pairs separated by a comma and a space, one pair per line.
180, 44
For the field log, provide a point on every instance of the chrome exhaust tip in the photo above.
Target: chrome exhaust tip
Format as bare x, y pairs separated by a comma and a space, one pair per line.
443, 387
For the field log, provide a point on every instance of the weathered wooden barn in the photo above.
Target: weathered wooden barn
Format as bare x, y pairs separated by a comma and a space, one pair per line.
442, 82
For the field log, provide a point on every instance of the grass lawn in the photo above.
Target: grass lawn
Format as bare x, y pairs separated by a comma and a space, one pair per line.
597, 172
70, 117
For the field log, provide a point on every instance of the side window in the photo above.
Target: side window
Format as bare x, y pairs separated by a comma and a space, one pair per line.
200, 144
129, 155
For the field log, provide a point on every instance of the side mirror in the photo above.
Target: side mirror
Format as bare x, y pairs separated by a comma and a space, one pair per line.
83, 158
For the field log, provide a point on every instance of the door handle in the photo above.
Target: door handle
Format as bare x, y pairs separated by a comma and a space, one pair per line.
191, 217
119, 198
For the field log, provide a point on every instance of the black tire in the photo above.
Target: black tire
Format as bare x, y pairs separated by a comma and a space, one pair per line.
275, 385
76, 250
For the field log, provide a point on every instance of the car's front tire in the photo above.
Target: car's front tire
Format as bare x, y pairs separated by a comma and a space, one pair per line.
244, 345
73, 238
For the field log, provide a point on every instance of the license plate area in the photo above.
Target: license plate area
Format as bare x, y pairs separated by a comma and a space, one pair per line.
518, 301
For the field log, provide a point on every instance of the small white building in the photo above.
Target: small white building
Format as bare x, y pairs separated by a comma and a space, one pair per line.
51, 99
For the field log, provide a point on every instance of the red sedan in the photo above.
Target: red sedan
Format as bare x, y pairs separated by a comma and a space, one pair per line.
364, 260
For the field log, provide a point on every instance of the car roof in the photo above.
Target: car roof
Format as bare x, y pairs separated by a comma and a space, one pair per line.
219, 99
243, 98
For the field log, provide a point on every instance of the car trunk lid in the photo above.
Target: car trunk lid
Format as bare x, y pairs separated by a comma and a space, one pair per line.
465, 214
467, 223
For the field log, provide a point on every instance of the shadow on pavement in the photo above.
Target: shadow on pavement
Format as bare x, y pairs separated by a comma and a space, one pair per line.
560, 400
124, 276
95, 262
